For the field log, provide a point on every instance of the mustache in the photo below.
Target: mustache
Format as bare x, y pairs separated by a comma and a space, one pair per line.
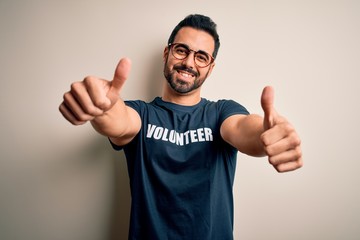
185, 69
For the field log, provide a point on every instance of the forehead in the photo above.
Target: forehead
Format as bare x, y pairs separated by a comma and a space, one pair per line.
195, 39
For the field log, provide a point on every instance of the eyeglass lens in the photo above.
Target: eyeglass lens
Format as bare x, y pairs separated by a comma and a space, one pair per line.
181, 51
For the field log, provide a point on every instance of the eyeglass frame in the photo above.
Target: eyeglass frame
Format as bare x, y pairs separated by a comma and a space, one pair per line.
171, 45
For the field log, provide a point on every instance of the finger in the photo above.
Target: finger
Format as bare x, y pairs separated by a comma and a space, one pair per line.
67, 114
97, 90
290, 155
289, 166
74, 107
121, 74
279, 131
267, 104
282, 145
82, 95
290, 142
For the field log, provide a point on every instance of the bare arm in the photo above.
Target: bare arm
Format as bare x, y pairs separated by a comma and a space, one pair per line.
121, 123
271, 135
98, 101
243, 132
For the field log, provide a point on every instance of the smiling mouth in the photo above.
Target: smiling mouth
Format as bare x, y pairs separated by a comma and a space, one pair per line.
186, 74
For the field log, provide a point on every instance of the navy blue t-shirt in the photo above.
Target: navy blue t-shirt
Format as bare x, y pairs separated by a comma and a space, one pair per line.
181, 171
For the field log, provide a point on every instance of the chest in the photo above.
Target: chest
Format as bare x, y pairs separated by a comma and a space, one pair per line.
180, 139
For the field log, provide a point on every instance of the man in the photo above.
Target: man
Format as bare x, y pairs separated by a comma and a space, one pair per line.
181, 148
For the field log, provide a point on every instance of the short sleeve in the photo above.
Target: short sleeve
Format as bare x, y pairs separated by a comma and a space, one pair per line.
229, 108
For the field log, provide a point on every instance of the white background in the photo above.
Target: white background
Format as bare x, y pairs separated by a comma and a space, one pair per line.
60, 182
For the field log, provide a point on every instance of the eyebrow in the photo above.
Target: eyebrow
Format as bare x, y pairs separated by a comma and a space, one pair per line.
199, 51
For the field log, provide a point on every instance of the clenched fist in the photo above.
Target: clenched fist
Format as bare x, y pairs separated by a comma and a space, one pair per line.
281, 141
93, 96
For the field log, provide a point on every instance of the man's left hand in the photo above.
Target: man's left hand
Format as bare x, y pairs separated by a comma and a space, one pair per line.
281, 141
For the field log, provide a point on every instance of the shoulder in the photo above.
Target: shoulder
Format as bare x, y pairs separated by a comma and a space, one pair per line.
226, 103
135, 103
227, 108
140, 105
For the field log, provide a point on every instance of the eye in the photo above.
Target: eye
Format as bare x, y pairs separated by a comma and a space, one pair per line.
201, 57
181, 50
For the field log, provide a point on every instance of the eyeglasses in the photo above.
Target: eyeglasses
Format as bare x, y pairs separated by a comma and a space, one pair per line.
181, 51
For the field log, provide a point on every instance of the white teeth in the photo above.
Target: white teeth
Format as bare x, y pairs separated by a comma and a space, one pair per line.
185, 75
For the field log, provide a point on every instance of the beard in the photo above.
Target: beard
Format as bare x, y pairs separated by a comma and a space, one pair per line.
179, 85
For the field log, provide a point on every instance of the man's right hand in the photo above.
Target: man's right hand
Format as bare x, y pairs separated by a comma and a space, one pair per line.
93, 96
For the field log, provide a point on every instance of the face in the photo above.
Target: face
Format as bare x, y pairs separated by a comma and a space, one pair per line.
184, 76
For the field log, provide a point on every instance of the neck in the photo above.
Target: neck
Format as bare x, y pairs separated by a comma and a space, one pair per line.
187, 99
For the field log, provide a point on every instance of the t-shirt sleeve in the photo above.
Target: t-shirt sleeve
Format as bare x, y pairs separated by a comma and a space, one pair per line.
137, 106
229, 108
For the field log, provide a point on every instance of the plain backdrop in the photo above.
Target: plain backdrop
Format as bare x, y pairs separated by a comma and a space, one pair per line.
61, 182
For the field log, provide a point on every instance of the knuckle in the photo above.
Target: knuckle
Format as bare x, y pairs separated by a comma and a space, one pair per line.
75, 86
269, 151
295, 139
271, 161
300, 164
264, 139
288, 127
101, 103
62, 109
277, 167
65, 95
88, 80
283, 168
299, 160
67, 98
298, 152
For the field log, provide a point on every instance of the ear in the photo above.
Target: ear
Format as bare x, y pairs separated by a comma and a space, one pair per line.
211, 68
166, 53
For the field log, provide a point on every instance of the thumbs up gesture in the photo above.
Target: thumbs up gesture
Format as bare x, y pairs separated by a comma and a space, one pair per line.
280, 140
93, 96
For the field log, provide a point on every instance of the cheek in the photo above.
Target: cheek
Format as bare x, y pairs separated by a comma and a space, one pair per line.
202, 73
167, 61
166, 57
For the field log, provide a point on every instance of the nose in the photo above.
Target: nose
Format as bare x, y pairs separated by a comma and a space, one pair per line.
189, 61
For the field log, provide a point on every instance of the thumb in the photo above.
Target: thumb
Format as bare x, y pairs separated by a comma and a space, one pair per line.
267, 104
121, 74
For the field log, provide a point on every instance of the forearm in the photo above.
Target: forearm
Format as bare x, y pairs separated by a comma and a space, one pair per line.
250, 129
243, 132
115, 123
